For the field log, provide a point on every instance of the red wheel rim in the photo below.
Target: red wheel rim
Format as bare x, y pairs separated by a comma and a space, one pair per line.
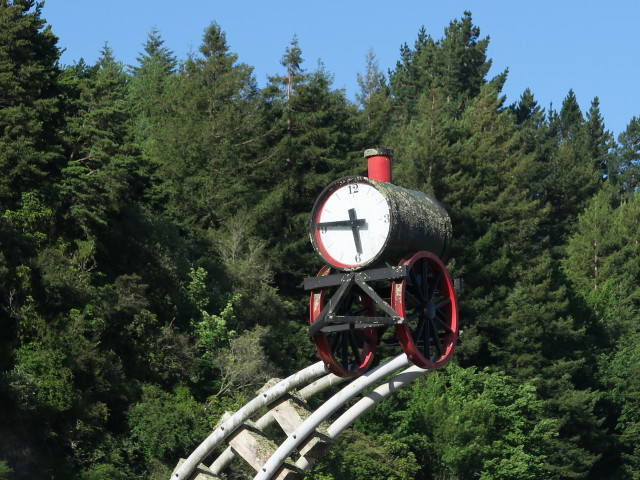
347, 353
430, 308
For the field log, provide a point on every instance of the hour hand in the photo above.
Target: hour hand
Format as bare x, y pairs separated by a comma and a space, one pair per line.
355, 228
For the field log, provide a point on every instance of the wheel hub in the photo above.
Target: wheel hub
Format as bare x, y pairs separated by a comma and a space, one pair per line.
429, 310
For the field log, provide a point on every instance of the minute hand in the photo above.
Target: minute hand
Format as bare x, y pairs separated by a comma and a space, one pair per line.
358, 222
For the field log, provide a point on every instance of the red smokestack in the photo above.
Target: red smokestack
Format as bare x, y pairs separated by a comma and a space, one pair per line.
379, 163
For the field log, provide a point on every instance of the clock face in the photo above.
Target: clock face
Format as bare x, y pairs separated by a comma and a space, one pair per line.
350, 224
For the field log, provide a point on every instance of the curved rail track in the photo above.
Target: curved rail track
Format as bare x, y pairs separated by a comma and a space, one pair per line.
303, 435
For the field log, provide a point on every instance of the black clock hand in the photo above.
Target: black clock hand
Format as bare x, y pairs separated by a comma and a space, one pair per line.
343, 223
355, 228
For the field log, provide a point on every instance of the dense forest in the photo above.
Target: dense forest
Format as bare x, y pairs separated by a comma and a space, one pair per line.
153, 244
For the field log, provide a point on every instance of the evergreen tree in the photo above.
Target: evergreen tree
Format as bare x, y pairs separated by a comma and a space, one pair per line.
375, 102
100, 164
155, 57
311, 146
602, 264
456, 65
538, 139
148, 88
599, 141
572, 175
207, 144
515, 306
625, 173
29, 119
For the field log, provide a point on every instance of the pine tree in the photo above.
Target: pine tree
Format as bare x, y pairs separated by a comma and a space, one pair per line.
151, 109
599, 141
414, 73
209, 139
625, 173
30, 117
30, 161
100, 155
311, 143
572, 175
375, 103
465, 64
456, 65
515, 305
602, 264
155, 56
148, 86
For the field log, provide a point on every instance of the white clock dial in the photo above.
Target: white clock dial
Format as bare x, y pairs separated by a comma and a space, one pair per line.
351, 224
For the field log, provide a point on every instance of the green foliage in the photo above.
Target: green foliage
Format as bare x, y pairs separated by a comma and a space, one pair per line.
309, 145
375, 99
603, 260
32, 219
467, 423
212, 330
361, 457
103, 472
5, 471
624, 173
455, 65
30, 114
41, 381
603, 265
243, 364
163, 425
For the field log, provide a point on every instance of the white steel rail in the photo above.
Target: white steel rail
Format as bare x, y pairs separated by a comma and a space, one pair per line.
267, 419
324, 411
365, 404
314, 384
231, 424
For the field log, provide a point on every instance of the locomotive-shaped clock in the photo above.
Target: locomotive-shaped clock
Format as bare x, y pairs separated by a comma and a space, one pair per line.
384, 248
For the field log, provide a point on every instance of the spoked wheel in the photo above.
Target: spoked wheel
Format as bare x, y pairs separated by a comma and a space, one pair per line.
347, 352
426, 299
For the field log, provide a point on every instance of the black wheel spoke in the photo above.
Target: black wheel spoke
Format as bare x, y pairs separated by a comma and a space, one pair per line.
426, 339
334, 341
355, 350
347, 345
413, 299
344, 349
436, 339
443, 303
424, 288
349, 352
439, 323
435, 281
419, 329
417, 286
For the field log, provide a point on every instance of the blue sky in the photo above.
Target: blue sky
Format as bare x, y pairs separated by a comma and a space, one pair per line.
548, 46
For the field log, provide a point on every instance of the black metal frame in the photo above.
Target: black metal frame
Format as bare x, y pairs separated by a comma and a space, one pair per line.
328, 321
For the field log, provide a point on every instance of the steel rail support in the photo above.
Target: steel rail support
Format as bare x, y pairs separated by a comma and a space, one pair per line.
300, 434
232, 423
365, 404
267, 419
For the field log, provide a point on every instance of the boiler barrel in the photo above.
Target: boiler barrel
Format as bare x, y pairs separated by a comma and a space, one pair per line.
418, 222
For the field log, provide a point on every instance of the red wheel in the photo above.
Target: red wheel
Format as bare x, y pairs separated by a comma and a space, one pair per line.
347, 352
426, 299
